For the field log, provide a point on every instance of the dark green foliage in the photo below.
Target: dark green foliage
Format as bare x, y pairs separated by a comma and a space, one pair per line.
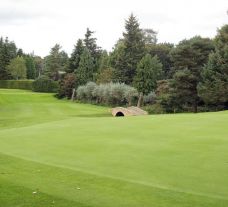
86, 69
189, 58
165, 98
16, 84
8, 51
30, 67
149, 70
75, 56
214, 85
104, 61
91, 45
133, 50
17, 68
20, 52
154, 109
66, 86
117, 60
162, 50
105, 76
55, 62
45, 84
105, 71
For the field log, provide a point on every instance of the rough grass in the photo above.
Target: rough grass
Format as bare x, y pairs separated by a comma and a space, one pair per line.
78, 155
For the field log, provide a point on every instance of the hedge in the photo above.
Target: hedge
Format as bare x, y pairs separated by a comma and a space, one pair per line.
44, 84
16, 84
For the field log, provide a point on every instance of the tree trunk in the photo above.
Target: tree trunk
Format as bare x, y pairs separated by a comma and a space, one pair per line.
195, 109
129, 102
140, 100
73, 94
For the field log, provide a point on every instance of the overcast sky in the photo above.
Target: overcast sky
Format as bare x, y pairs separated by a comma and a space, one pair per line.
36, 25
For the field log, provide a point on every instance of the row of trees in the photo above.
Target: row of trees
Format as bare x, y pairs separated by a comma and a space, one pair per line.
14, 64
181, 77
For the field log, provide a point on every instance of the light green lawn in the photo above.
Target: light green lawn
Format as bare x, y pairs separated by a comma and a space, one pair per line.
78, 155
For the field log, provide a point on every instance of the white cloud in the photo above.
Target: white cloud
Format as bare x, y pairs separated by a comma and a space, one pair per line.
38, 25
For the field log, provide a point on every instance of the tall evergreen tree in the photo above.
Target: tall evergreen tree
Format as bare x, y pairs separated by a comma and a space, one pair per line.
8, 51
162, 50
20, 52
148, 72
117, 60
55, 62
85, 71
91, 44
214, 85
30, 67
189, 58
75, 56
134, 49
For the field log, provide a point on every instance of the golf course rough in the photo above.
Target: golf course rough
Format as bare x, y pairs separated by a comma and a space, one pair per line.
58, 153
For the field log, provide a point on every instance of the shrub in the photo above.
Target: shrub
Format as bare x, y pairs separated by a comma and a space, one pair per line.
154, 109
16, 84
66, 86
149, 99
88, 90
109, 93
44, 84
81, 93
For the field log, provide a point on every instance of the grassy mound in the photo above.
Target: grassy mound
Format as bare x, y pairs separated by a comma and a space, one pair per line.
58, 153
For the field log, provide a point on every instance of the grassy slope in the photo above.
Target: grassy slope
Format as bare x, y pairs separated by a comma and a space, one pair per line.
55, 147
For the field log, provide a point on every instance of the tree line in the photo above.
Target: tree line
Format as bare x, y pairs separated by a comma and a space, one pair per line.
189, 76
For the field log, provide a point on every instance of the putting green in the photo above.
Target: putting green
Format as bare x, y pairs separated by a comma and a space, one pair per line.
58, 153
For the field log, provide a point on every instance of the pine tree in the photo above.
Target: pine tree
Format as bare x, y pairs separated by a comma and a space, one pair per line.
85, 70
30, 67
189, 58
55, 62
75, 56
148, 72
91, 45
134, 49
8, 51
117, 62
214, 85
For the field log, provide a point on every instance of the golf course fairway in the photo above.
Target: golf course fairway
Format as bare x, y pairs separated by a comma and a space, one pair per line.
64, 154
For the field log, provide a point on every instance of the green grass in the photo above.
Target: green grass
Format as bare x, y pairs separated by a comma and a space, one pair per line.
78, 155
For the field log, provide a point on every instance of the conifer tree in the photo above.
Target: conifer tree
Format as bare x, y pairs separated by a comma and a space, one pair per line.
75, 56
85, 71
148, 72
30, 67
189, 58
91, 44
55, 62
8, 51
214, 85
129, 51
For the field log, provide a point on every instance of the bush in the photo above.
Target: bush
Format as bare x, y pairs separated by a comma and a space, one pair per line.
108, 94
149, 99
16, 84
44, 84
154, 109
66, 86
